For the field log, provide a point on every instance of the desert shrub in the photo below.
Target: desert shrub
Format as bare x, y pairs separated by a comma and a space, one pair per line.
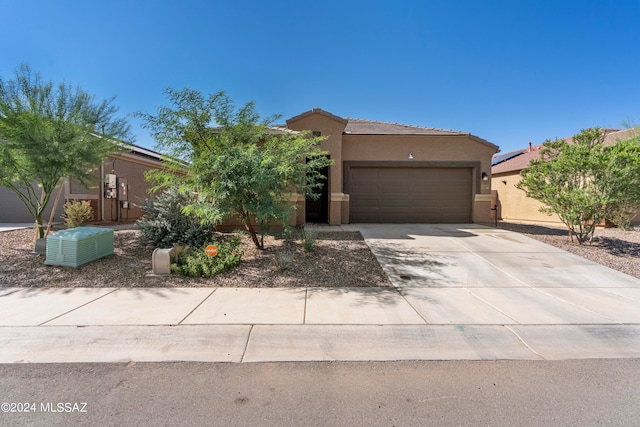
622, 218
195, 262
77, 214
284, 258
309, 238
287, 232
164, 224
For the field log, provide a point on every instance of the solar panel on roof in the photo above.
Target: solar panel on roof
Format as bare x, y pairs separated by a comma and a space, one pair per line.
504, 157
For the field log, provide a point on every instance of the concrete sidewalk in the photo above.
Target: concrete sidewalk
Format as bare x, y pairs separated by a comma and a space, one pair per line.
461, 293
255, 325
11, 226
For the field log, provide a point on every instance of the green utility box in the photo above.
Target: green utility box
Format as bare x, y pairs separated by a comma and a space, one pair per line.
76, 246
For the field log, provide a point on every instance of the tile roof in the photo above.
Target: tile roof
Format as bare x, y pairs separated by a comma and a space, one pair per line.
317, 111
621, 135
519, 162
372, 127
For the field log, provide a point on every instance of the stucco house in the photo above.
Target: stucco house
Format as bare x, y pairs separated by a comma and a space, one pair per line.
394, 173
513, 204
128, 167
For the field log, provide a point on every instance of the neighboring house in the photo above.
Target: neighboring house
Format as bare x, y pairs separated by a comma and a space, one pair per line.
12, 210
513, 204
394, 173
128, 167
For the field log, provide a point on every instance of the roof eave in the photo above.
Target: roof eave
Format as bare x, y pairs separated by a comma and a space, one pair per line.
485, 142
317, 111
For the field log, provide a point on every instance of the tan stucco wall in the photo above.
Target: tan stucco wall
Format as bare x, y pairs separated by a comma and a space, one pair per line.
513, 203
331, 129
423, 148
482, 209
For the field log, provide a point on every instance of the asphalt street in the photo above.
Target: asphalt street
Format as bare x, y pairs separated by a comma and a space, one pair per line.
441, 393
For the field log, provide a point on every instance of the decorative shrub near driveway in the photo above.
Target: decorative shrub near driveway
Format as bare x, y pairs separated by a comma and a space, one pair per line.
196, 262
164, 225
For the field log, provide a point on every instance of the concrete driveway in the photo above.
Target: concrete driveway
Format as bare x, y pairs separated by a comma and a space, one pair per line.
475, 275
478, 278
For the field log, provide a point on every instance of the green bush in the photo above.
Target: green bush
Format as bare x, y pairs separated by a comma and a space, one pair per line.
165, 225
195, 262
287, 232
77, 214
309, 238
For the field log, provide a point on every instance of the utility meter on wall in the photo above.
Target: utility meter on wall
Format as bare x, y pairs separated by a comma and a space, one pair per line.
122, 194
110, 186
110, 180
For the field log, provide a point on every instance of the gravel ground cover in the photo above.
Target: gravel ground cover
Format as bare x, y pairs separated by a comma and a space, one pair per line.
338, 259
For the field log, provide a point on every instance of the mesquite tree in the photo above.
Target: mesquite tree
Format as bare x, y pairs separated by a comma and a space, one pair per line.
49, 132
585, 182
234, 162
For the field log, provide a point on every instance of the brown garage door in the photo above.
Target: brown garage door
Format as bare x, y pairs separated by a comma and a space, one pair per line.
413, 195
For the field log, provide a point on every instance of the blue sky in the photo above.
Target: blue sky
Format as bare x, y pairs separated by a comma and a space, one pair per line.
508, 71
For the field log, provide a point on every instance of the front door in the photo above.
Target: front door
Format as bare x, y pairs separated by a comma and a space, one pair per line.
317, 211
